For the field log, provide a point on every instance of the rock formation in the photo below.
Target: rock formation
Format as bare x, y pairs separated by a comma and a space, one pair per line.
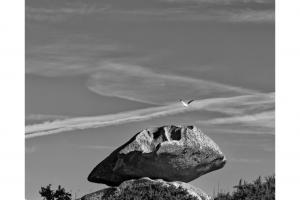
171, 153
146, 188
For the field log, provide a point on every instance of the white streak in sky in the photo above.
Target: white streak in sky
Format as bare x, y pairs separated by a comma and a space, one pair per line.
44, 117
265, 118
81, 123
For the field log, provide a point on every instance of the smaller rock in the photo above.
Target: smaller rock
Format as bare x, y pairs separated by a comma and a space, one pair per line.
148, 189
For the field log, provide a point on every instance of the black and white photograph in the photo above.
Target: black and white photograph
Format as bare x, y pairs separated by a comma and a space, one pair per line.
149, 99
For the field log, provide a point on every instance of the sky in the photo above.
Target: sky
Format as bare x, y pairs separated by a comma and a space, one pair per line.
97, 72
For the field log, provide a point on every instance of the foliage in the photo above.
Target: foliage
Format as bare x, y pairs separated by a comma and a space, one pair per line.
259, 189
155, 191
60, 194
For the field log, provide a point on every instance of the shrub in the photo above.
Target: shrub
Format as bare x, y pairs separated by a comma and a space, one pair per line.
59, 194
263, 190
156, 191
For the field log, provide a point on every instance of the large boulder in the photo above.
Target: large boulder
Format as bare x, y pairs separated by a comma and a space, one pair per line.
148, 189
171, 153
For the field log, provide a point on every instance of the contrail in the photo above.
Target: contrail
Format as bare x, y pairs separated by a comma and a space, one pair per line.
266, 119
231, 105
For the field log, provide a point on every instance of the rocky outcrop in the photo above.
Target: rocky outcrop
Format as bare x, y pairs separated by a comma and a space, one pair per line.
171, 153
148, 189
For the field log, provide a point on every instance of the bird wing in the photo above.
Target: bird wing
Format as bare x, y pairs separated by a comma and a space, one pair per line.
190, 101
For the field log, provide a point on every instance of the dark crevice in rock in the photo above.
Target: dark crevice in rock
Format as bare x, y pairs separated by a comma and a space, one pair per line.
176, 134
160, 134
160, 131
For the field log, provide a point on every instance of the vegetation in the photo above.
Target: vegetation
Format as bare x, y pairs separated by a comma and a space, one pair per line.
149, 192
60, 194
259, 189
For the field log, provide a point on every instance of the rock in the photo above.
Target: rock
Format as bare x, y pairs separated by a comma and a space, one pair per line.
148, 189
171, 153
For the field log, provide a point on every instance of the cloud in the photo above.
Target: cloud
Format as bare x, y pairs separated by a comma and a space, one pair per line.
251, 16
266, 119
76, 55
222, 2
238, 129
261, 11
80, 123
141, 84
135, 82
60, 12
44, 117
253, 116
239, 106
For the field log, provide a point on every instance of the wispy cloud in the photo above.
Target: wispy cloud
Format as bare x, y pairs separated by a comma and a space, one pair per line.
141, 84
141, 115
257, 11
222, 2
138, 83
75, 55
255, 116
240, 106
60, 11
251, 16
267, 119
237, 16
43, 117
216, 10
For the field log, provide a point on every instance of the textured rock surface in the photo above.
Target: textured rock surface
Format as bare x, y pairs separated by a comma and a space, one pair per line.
149, 189
171, 153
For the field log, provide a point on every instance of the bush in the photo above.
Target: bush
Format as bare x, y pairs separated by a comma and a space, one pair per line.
59, 194
262, 190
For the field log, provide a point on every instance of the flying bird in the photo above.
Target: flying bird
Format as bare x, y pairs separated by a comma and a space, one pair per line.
186, 104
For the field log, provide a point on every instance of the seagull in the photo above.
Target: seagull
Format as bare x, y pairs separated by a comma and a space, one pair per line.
186, 104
